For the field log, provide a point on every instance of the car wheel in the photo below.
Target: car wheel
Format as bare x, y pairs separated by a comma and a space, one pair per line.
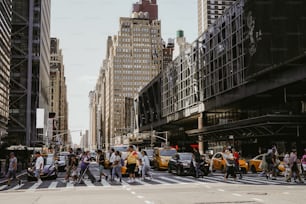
243, 170
253, 169
179, 171
213, 169
157, 166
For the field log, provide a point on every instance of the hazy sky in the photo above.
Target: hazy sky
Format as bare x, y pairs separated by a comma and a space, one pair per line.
83, 26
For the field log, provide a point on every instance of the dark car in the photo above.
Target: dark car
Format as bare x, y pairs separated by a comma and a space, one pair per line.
180, 163
49, 172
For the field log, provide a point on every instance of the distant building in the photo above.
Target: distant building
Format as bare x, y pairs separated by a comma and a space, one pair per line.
148, 6
209, 11
5, 55
58, 90
30, 71
134, 60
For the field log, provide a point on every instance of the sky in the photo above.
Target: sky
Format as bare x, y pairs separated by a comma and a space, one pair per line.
83, 27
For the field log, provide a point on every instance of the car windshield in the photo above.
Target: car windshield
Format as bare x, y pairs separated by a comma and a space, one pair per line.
48, 160
185, 156
149, 152
167, 152
121, 148
62, 158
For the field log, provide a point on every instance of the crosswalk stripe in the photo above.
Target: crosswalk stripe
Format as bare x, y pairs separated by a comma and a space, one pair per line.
125, 183
69, 185
172, 180
3, 187
17, 187
34, 186
142, 182
221, 179
53, 185
187, 179
105, 183
88, 183
159, 181
205, 179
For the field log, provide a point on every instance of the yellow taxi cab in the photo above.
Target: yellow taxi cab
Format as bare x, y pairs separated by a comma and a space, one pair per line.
162, 156
255, 163
218, 163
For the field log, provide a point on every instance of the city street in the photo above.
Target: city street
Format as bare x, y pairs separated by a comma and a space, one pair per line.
164, 189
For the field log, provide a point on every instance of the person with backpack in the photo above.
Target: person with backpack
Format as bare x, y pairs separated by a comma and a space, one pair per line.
101, 162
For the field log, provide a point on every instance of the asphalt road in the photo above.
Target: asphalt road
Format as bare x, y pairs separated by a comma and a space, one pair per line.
163, 188
190, 193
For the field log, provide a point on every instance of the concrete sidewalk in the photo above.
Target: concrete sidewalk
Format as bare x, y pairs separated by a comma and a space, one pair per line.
3, 181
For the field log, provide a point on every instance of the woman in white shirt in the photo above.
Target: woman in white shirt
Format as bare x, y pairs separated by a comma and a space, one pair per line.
39, 166
145, 165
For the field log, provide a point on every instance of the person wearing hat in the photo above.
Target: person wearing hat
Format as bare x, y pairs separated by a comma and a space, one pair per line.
39, 166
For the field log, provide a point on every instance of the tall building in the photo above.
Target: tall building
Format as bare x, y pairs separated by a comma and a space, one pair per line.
209, 11
58, 91
5, 54
134, 58
30, 73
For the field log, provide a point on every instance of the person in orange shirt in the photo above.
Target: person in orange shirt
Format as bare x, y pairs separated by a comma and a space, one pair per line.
131, 163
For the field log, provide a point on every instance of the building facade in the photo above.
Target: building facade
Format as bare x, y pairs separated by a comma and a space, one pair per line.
209, 11
242, 83
5, 55
30, 72
134, 60
58, 91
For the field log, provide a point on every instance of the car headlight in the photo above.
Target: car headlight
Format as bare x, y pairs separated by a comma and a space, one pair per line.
185, 164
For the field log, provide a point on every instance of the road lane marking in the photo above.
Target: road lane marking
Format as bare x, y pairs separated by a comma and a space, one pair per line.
69, 185
237, 194
143, 183
187, 179
105, 183
3, 187
125, 183
89, 183
258, 200
206, 186
53, 185
221, 190
17, 187
35, 186
133, 192
140, 197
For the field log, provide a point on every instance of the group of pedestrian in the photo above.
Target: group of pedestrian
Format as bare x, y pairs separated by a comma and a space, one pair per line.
294, 166
231, 157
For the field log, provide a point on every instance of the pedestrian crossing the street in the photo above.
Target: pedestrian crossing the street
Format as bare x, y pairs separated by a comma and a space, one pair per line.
157, 180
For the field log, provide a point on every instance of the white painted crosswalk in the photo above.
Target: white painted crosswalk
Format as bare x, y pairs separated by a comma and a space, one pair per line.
163, 179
